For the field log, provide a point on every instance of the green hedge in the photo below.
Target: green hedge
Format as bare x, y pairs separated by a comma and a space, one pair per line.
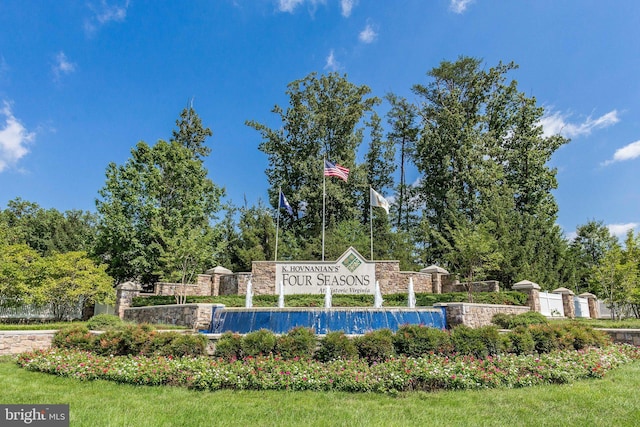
131, 340
339, 300
411, 341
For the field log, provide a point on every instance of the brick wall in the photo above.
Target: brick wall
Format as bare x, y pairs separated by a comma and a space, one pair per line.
196, 316
16, 342
476, 315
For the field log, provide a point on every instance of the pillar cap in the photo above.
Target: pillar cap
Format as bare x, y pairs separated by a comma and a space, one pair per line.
129, 286
563, 291
525, 284
218, 270
434, 269
588, 295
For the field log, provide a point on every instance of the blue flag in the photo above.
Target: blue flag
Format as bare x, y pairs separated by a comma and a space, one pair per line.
285, 204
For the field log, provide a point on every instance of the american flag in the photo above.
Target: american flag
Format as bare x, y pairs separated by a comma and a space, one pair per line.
338, 171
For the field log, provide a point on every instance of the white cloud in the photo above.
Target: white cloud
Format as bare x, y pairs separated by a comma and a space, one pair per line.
14, 138
620, 230
332, 63
62, 65
291, 5
347, 6
104, 13
628, 152
459, 6
368, 35
556, 123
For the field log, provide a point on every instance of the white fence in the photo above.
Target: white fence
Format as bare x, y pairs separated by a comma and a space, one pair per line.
37, 312
581, 306
551, 304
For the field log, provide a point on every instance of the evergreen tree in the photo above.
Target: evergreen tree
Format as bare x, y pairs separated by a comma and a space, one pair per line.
155, 205
323, 120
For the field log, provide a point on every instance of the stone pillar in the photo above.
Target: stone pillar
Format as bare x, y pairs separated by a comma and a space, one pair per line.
436, 277
567, 302
125, 292
533, 293
216, 273
594, 311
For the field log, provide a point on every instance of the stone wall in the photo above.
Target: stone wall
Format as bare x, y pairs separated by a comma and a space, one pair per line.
476, 315
624, 336
196, 316
16, 342
202, 287
236, 284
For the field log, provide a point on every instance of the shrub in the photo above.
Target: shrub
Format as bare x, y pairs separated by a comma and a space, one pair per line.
510, 321
258, 343
502, 320
180, 345
480, 342
298, 342
229, 346
336, 345
574, 335
77, 337
376, 346
544, 337
529, 318
521, 341
130, 339
490, 337
104, 322
417, 340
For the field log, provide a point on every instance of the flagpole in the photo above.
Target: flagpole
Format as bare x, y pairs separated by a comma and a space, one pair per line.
371, 222
324, 195
278, 222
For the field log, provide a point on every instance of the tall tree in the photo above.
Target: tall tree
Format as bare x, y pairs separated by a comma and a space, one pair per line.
191, 133
481, 146
473, 252
592, 242
48, 230
323, 120
257, 236
154, 205
404, 131
72, 279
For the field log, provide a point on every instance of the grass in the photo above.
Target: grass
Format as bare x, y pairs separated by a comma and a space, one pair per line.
341, 300
37, 326
606, 402
60, 325
630, 323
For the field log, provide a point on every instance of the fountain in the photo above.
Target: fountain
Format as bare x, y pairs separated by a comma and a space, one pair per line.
281, 296
377, 301
350, 320
411, 297
248, 299
327, 297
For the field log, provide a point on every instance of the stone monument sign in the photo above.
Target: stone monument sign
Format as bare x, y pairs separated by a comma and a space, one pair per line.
350, 274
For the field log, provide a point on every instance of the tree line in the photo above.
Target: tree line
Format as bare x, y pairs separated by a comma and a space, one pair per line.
482, 207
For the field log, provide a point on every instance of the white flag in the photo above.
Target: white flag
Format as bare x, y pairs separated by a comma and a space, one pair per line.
378, 201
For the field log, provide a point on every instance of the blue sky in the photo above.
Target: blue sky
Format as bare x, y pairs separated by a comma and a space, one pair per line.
81, 82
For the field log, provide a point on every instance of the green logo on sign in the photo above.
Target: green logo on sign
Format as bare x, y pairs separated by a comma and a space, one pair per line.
351, 262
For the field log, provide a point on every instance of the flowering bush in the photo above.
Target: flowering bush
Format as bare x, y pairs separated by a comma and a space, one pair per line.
336, 345
432, 372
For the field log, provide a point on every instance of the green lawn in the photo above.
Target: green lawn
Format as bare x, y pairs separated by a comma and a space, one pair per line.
60, 325
630, 323
611, 401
